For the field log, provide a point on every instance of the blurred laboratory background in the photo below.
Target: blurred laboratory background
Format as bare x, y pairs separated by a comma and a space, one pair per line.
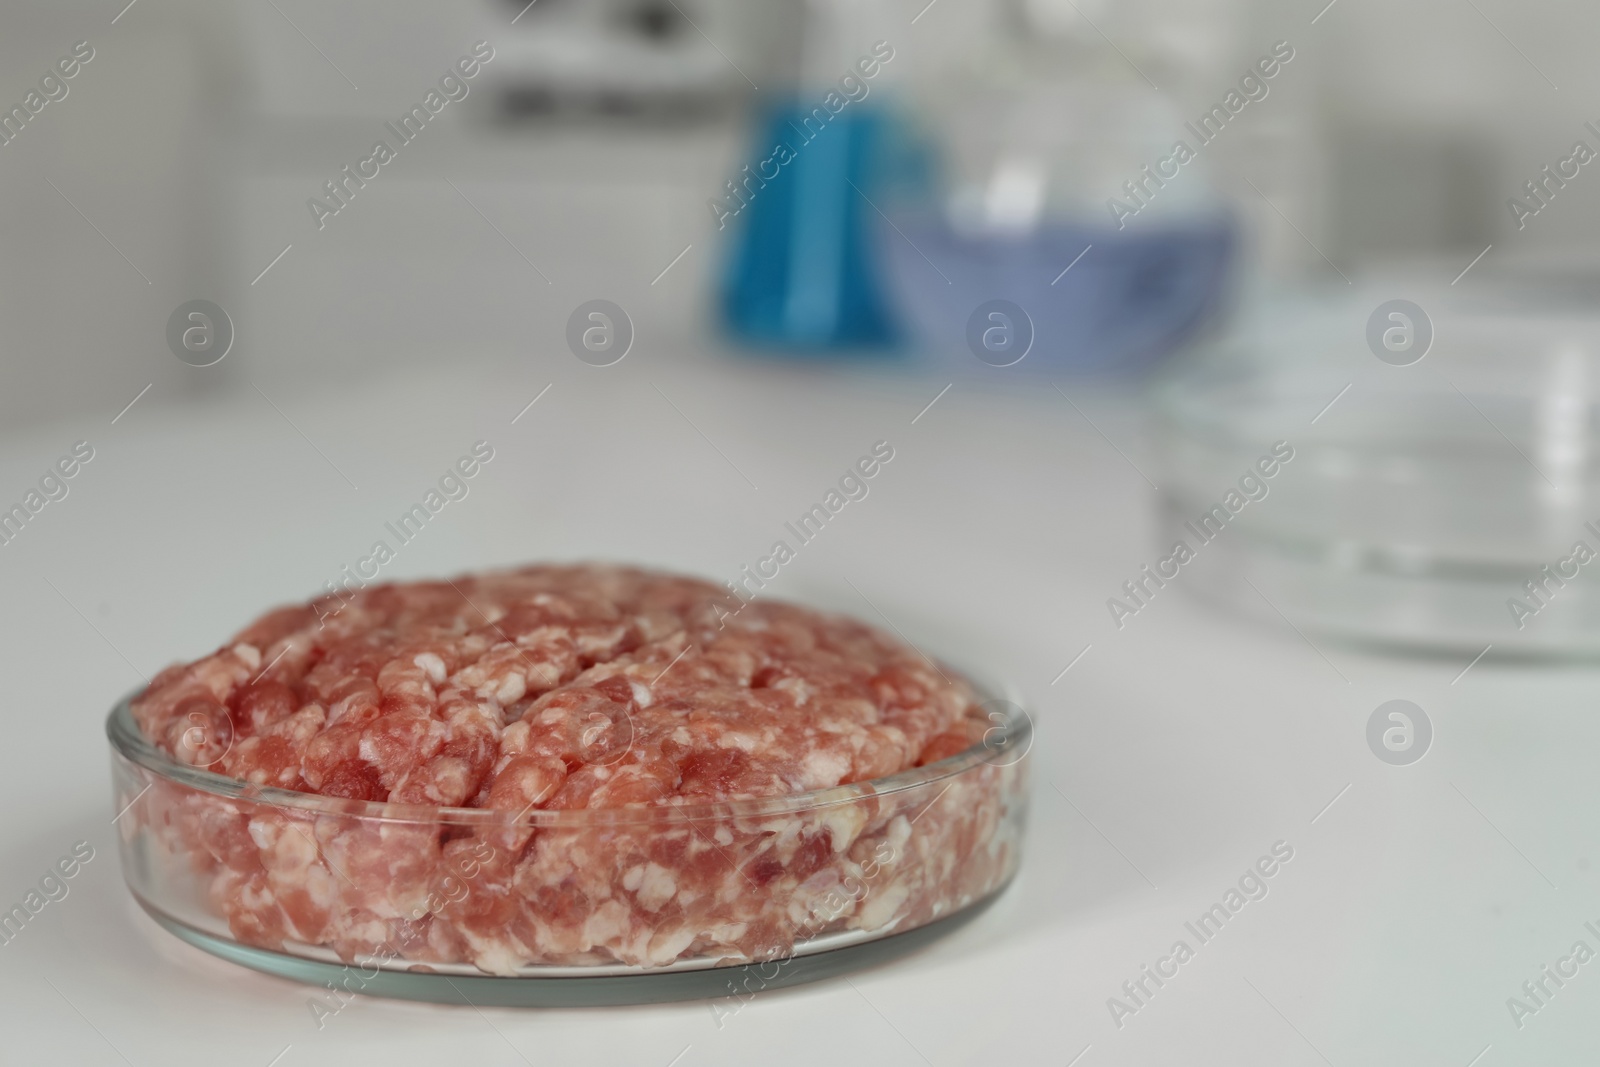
1221, 192
602, 130
1311, 286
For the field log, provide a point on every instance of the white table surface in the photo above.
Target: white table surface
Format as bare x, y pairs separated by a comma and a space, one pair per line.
1187, 743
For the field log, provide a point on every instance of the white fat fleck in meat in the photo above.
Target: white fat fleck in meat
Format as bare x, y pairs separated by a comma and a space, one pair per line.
597, 642
545, 674
819, 899
797, 688
372, 930
741, 741
607, 924
881, 907
641, 694
263, 832
511, 689
513, 741
431, 665
825, 767
656, 887
249, 654
542, 635
633, 877
667, 944
492, 954
255, 898
844, 823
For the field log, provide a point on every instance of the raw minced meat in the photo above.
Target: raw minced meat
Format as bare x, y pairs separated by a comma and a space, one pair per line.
557, 687
563, 688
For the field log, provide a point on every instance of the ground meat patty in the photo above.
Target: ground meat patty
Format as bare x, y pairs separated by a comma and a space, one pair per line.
562, 688
557, 687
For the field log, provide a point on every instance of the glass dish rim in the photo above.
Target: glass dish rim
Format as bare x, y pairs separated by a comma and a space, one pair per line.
128, 742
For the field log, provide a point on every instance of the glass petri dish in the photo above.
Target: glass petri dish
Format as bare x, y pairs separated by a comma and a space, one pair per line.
1443, 506
467, 905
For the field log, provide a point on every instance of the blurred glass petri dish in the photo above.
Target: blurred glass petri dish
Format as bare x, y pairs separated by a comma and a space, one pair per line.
1447, 504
